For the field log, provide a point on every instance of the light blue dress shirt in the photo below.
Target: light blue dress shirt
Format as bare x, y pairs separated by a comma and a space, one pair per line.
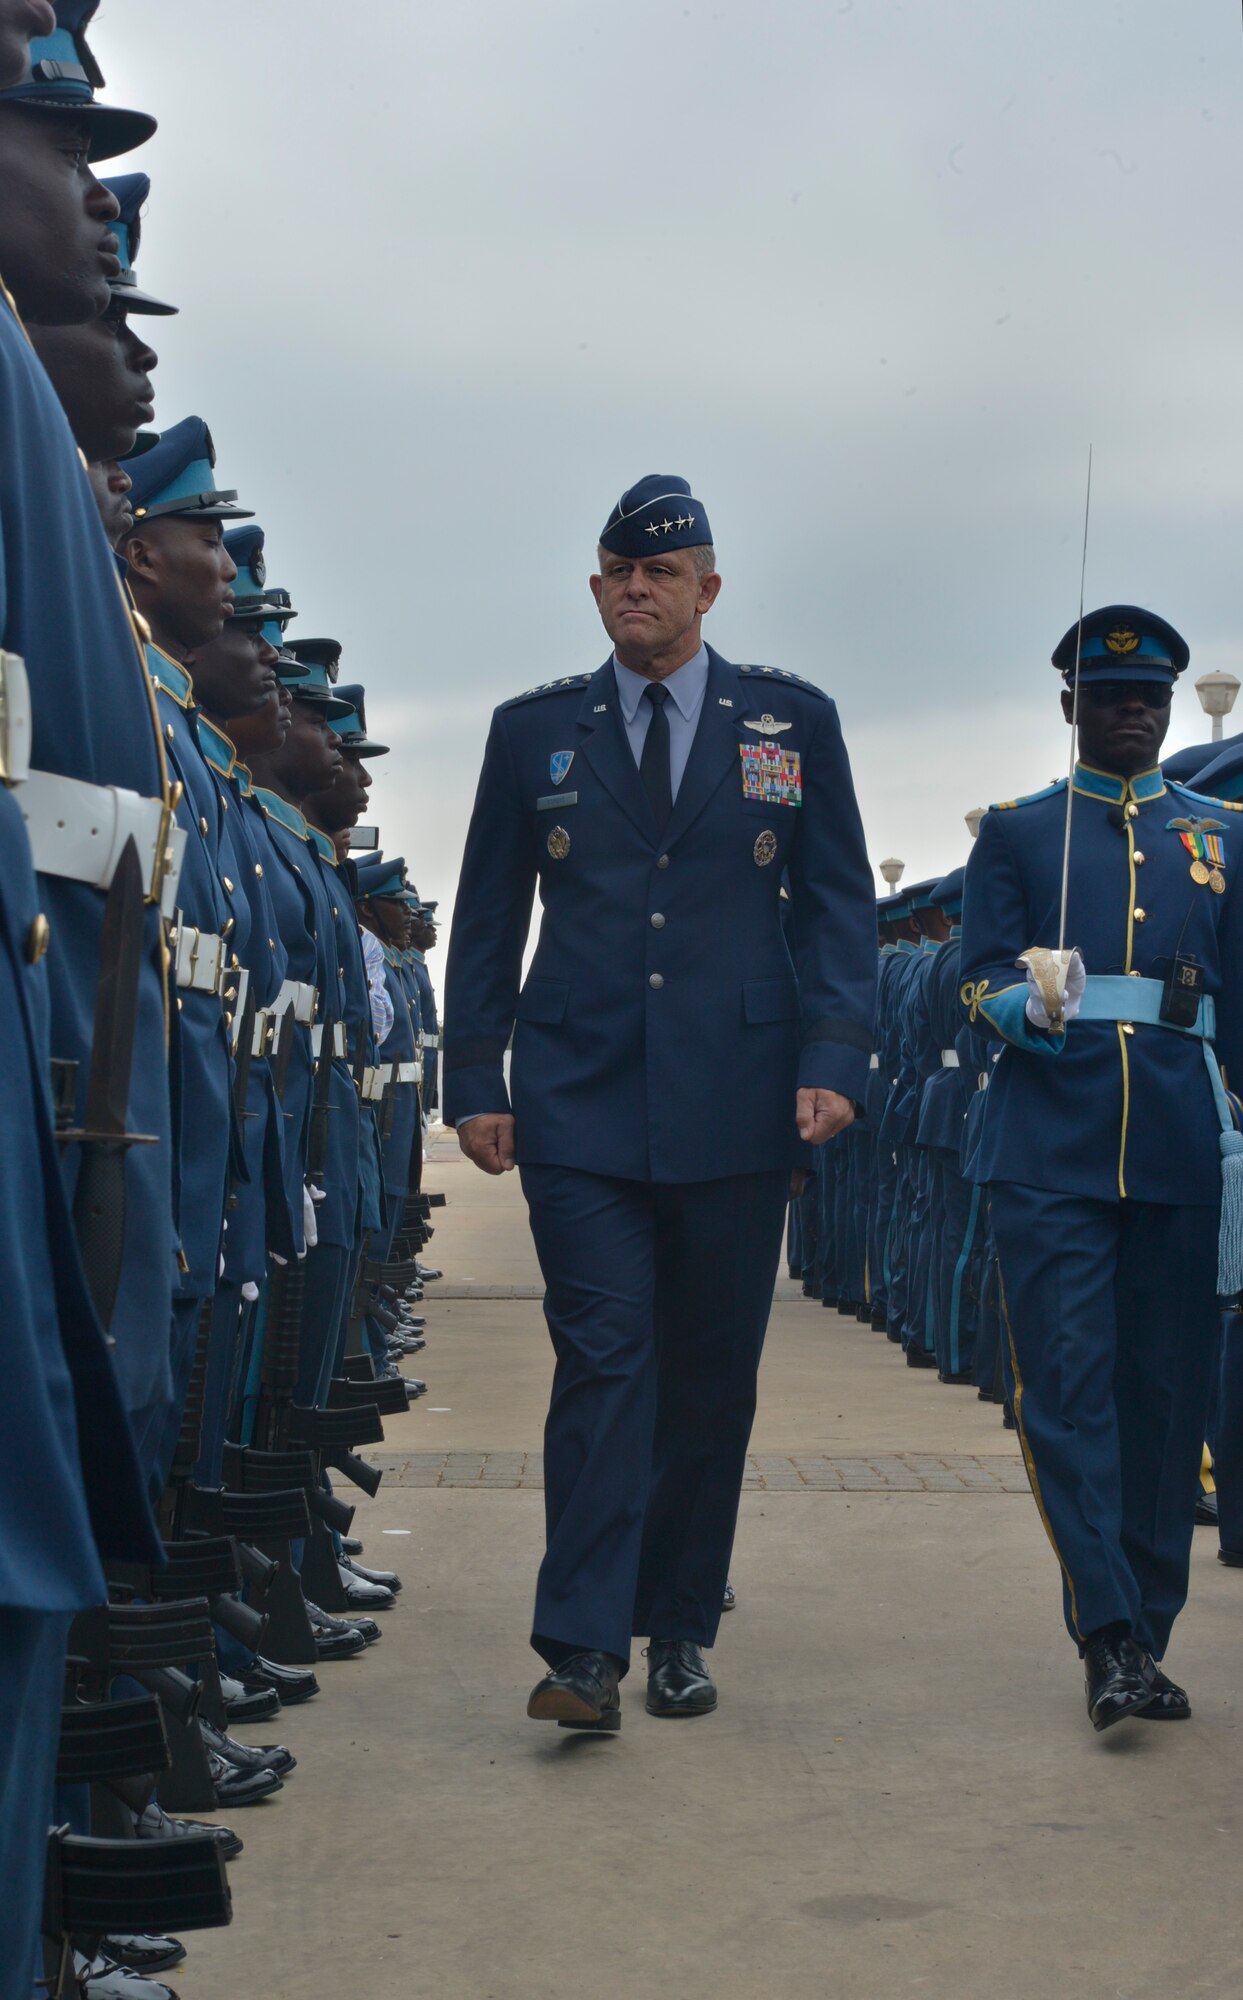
687, 687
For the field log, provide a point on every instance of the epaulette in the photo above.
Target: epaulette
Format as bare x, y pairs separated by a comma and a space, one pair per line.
1203, 798
1030, 798
549, 687
790, 680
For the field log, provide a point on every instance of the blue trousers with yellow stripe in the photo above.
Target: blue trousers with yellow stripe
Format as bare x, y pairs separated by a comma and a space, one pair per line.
1109, 1335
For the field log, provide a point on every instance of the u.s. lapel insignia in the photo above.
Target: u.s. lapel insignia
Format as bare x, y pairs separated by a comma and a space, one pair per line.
558, 843
768, 725
765, 849
559, 765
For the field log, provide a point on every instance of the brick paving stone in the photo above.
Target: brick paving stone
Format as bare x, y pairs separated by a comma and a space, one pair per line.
765, 1472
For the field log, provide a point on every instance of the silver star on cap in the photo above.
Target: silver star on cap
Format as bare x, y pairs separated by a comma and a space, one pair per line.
651, 528
666, 524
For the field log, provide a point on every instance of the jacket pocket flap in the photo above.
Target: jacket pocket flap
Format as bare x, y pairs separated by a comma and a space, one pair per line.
769, 1000
543, 1000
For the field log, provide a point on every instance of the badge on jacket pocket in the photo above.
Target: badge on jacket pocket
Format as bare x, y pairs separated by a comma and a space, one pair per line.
770, 775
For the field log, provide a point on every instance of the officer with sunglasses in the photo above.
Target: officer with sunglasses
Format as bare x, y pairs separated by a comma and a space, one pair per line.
1107, 1139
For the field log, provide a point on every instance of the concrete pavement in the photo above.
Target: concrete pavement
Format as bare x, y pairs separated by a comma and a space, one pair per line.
900, 1791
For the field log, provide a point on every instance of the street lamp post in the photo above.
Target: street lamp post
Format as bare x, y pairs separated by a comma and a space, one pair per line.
973, 819
892, 871
1217, 696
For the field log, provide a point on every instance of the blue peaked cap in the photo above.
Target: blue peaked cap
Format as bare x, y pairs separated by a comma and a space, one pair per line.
658, 513
352, 728
63, 75
178, 476
378, 876
131, 191
1121, 642
947, 895
251, 599
307, 683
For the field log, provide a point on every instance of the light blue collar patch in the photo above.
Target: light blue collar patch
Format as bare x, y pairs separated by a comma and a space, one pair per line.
559, 765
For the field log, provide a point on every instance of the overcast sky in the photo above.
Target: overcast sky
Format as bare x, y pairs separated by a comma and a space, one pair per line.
869, 275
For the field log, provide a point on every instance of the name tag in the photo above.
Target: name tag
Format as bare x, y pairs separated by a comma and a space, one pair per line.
556, 800
771, 775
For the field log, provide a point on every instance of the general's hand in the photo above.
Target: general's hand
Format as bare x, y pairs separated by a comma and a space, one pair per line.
488, 1141
820, 1114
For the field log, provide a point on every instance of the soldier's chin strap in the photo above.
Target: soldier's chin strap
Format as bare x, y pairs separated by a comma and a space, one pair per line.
1050, 968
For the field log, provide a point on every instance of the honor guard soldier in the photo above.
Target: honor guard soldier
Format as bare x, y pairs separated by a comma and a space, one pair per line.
1107, 1143
671, 1059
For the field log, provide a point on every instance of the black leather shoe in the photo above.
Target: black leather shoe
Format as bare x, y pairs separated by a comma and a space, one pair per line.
335, 1639
352, 1545
879, 1321
965, 1380
582, 1693
1113, 1672
153, 1823
919, 1357
1233, 1558
1170, 1703
384, 1579
143, 1954
1206, 1510
243, 1704
678, 1682
730, 1600
247, 1756
292, 1684
234, 1788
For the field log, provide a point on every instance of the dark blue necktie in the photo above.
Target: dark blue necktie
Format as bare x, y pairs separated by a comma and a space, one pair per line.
654, 762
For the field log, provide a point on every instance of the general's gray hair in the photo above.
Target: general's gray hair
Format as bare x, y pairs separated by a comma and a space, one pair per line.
704, 557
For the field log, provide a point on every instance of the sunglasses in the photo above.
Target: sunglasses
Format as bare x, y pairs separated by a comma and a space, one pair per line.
1115, 694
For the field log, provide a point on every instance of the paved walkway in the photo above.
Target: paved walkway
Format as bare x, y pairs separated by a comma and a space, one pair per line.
899, 1794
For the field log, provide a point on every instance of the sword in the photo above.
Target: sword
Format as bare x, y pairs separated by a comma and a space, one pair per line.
99, 1200
1049, 968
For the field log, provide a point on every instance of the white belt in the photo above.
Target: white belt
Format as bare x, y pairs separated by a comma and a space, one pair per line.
238, 1006
418, 1069
407, 1072
199, 958
429, 1041
266, 1032
376, 1080
338, 1037
300, 997
14, 719
79, 830
949, 1059
873, 1062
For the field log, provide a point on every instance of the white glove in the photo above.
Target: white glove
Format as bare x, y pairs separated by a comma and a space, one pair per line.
250, 1291
309, 1230
1076, 980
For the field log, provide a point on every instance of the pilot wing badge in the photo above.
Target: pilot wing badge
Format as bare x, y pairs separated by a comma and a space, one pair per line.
559, 765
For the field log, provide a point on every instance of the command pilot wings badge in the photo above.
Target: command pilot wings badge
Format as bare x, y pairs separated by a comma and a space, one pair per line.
559, 765
768, 725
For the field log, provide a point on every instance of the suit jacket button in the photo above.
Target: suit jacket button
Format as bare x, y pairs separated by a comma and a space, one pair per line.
662, 860
658, 922
655, 981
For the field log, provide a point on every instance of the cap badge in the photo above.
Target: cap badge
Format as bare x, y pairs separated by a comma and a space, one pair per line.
558, 843
765, 849
1122, 640
258, 568
666, 527
559, 765
768, 725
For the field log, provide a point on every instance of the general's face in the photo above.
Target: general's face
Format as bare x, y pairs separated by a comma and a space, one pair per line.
57, 247
648, 603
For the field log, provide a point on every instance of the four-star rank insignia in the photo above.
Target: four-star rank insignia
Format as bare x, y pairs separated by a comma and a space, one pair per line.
559, 765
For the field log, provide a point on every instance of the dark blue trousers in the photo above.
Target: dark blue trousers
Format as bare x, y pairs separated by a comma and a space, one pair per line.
32, 1679
1228, 1434
1109, 1335
657, 1303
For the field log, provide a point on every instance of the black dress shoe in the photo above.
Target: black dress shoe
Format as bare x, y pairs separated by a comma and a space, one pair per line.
292, 1684
965, 1380
153, 1823
234, 1788
1113, 1672
1170, 1703
730, 1601
243, 1704
582, 1693
144, 1954
352, 1545
879, 1321
919, 1357
335, 1639
384, 1579
1206, 1510
1233, 1558
247, 1756
678, 1682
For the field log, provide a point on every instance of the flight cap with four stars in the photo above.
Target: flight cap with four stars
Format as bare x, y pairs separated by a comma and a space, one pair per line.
131, 190
177, 476
63, 75
1121, 642
660, 512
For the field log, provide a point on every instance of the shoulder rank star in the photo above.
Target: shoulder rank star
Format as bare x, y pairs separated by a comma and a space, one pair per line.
768, 725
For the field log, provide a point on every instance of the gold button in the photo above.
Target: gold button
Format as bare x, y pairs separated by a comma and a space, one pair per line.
37, 938
202, 824
230, 993
1135, 973
271, 944
168, 731
1140, 916
334, 910
179, 1005
1132, 812
1139, 859
259, 869
1126, 1027
228, 927
228, 1018
228, 885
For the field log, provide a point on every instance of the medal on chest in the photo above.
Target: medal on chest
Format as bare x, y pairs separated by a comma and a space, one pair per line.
1202, 840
